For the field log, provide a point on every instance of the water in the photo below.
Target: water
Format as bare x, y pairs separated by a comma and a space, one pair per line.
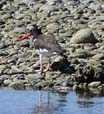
36, 102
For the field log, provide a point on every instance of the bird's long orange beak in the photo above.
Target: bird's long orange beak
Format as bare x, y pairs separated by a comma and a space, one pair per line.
26, 36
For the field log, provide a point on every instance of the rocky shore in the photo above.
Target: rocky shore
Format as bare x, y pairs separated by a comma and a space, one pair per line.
78, 25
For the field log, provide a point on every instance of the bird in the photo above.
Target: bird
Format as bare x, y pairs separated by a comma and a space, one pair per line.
45, 45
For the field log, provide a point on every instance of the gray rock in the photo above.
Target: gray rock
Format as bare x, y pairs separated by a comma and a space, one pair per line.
83, 36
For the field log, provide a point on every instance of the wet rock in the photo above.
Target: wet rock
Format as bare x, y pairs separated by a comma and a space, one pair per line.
94, 84
7, 82
17, 85
83, 36
76, 87
33, 78
65, 84
83, 86
62, 89
98, 68
84, 74
40, 85
1, 81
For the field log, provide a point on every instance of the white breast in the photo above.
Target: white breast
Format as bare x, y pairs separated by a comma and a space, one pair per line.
44, 52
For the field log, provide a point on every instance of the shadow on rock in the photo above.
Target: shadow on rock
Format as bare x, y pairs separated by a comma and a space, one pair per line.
63, 65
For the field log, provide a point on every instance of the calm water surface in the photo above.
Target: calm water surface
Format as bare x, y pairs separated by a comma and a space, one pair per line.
36, 102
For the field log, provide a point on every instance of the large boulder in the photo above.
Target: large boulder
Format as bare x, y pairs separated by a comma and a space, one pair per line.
83, 36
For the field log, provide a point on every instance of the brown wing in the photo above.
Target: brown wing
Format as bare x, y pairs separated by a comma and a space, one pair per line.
49, 42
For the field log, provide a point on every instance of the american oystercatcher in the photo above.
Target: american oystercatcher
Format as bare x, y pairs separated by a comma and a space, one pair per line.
45, 45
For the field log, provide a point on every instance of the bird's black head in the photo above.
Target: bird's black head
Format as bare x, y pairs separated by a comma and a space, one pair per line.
35, 31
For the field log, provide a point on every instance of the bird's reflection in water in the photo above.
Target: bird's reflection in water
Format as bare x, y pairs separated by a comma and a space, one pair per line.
48, 104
